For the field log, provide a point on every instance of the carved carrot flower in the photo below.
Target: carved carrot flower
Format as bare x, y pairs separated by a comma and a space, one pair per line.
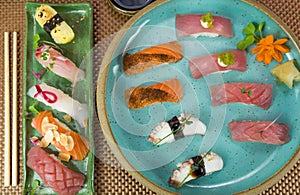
267, 49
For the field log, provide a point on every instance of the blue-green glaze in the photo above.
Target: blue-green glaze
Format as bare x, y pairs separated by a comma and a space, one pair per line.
245, 164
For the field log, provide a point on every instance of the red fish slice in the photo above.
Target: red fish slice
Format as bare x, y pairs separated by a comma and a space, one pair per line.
248, 93
261, 131
190, 24
204, 65
53, 173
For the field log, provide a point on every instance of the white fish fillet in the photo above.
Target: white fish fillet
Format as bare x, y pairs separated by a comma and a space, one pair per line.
64, 103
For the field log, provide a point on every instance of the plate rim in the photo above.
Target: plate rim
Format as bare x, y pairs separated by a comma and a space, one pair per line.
104, 121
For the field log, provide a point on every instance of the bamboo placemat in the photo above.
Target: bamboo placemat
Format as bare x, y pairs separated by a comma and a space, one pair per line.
110, 178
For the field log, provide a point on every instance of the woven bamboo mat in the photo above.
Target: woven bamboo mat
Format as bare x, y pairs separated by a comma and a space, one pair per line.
109, 177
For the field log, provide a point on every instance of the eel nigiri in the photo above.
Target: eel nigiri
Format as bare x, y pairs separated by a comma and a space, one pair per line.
167, 91
54, 174
54, 24
153, 56
203, 65
60, 101
198, 25
176, 128
259, 131
247, 93
53, 60
60, 135
196, 167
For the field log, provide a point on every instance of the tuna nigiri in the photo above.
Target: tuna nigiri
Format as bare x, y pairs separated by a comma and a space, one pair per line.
199, 25
153, 56
247, 93
53, 60
176, 128
167, 91
60, 135
261, 131
196, 167
60, 101
54, 174
203, 65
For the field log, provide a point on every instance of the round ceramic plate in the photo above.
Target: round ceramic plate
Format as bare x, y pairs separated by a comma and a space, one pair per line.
248, 166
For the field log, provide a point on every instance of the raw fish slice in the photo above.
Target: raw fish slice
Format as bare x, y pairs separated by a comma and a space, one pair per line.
190, 24
205, 164
176, 128
204, 65
153, 56
261, 131
247, 93
167, 91
60, 101
53, 60
45, 121
54, 174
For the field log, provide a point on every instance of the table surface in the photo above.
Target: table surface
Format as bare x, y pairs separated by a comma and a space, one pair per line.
110, 178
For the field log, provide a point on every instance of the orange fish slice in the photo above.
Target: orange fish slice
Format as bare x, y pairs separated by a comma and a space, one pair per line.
61, 136
152, 56
167, 91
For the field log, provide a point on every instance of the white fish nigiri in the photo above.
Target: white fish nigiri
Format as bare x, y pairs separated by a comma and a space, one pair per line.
195, 167
176, 128
53, 60
60, 101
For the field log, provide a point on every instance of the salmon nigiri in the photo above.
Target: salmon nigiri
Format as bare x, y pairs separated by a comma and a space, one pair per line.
152, 56
167, 91
61, 136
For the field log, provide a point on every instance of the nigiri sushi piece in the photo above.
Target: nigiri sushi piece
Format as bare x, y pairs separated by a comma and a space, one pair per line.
54, 24
247, 93
60, 135
287, 73
60, 101
53, 60
152, 56
259, 131
176, 128
203, 25
167, 91
195, 167
54, 174
221, 62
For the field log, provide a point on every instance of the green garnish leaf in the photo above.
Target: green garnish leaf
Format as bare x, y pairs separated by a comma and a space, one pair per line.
250, 29
227, 58
36, 40
33, 109
51, 65
249, 93
243, 90
251, 35
35, 183
208, 18
260, 27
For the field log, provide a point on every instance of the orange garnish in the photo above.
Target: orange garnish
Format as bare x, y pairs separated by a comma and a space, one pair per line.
267, 49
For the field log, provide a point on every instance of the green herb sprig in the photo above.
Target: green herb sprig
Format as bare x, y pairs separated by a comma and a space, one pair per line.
181, 126
253, 34
194, 168
37, 42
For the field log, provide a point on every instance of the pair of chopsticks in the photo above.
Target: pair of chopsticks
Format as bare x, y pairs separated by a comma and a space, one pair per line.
10, 154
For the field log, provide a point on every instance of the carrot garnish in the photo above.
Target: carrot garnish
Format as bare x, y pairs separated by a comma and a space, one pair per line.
267, 49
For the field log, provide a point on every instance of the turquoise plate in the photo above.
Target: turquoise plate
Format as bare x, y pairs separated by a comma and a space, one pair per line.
248, 167
79, 16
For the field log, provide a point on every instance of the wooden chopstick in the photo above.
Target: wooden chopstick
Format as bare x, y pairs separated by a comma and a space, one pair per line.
7, 112
14, 169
